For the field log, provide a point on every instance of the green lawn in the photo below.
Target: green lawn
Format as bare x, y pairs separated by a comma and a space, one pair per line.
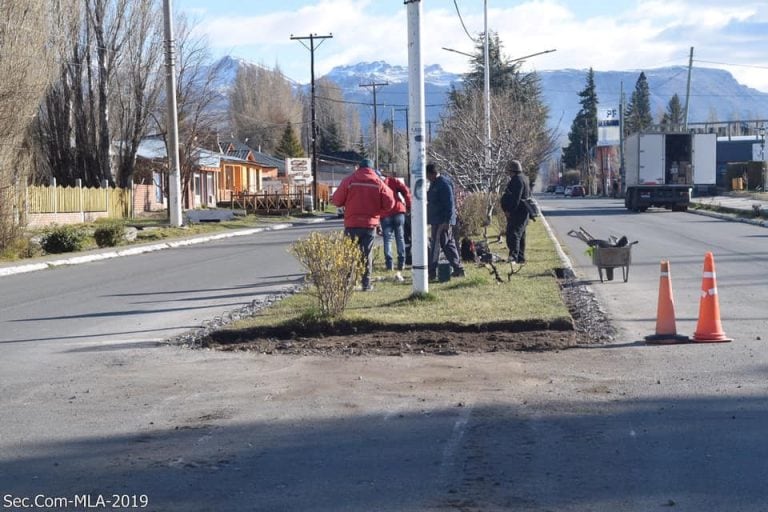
531, 295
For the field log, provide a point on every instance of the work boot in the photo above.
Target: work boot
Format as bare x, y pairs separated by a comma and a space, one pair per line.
459, 272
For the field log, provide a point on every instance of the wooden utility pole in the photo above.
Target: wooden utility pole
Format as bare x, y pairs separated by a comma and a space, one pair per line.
311, 49
687, 92
374, 85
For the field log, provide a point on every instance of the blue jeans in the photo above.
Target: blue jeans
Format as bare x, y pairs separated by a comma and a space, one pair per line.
394, 225
364, 238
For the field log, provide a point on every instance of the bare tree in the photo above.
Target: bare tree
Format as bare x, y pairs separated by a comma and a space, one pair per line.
139, 83
25, 63
262, 104
109, 52
518, 128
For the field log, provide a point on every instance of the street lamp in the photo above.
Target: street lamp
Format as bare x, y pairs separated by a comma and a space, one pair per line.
761, 132
487, 84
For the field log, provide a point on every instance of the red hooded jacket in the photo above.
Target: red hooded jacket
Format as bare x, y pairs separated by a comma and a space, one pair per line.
365, 197
402, 196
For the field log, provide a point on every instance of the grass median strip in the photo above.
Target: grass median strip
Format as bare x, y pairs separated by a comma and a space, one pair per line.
526, 301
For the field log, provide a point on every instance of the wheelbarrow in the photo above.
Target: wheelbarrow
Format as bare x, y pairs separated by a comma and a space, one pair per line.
607, 255
609, 258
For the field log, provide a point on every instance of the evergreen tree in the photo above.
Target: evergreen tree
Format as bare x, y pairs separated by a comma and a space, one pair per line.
330, 140
583, 135
289, 146
672, 120
503, 75
638, 113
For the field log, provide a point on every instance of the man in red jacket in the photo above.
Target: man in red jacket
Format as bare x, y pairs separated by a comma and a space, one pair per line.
365, 197
393, 223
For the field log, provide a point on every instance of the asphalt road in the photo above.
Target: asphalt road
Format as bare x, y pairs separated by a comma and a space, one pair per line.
93, 406
740, 252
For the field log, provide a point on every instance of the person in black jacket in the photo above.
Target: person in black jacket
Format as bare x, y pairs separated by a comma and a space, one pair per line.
512, 203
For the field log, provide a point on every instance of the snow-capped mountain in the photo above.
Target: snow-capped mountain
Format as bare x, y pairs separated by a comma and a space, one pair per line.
715, 94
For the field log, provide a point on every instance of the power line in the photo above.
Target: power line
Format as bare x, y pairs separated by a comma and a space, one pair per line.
731, 64
462, 22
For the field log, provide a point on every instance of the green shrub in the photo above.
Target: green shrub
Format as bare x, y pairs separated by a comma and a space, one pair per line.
472, 218
110, 233
19, 248
334, 263
63, 239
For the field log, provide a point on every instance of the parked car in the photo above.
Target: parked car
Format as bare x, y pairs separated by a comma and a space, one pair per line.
578, 191
559, 189
551, 189
568, 191
340, 212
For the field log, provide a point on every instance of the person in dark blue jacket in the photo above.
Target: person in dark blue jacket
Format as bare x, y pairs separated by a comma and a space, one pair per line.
441, 216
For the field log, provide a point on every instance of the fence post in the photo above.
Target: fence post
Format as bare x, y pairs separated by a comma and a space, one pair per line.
79, 185
105, 186
55, 197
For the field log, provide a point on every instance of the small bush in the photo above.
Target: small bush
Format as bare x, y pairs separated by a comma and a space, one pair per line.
472, 217
334, 263
63, 239
19, 248
109, 234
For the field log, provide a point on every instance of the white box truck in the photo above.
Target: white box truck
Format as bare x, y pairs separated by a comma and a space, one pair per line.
661, 169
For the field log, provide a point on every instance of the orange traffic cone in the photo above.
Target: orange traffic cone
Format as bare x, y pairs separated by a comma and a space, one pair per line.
666, 331
708, 328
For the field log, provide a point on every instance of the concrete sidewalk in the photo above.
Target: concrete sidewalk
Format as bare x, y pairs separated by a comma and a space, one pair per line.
57, 260
731, 206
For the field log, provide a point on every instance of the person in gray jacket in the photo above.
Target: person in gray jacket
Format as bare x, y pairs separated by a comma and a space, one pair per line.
441, 216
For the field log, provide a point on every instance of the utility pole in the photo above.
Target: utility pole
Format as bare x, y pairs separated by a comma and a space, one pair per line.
486, 90
418, 146
392, 133
622, 170
687, 92
407, 145
174, 179
311, 49
374, 85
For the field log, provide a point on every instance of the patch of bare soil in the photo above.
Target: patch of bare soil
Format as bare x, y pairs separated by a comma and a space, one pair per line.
422, 341
588, 325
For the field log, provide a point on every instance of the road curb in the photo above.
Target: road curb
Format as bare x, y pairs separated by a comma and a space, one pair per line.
728, 217
131, 251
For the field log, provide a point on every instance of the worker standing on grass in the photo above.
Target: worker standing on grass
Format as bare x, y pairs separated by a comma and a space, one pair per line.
517, 214
365, 197
441, 216
393, 223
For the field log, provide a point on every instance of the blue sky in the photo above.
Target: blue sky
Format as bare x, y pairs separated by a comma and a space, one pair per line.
603, 34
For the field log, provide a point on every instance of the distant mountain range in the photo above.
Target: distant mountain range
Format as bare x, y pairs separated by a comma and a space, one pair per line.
715, 94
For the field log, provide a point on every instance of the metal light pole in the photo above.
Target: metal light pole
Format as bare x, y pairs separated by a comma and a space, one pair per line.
419, 148
761, 131
486, 89
174, 178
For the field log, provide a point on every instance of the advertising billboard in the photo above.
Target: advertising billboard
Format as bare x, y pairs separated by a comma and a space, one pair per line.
608, 126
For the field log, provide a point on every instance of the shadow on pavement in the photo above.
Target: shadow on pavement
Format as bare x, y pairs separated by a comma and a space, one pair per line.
700, 454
